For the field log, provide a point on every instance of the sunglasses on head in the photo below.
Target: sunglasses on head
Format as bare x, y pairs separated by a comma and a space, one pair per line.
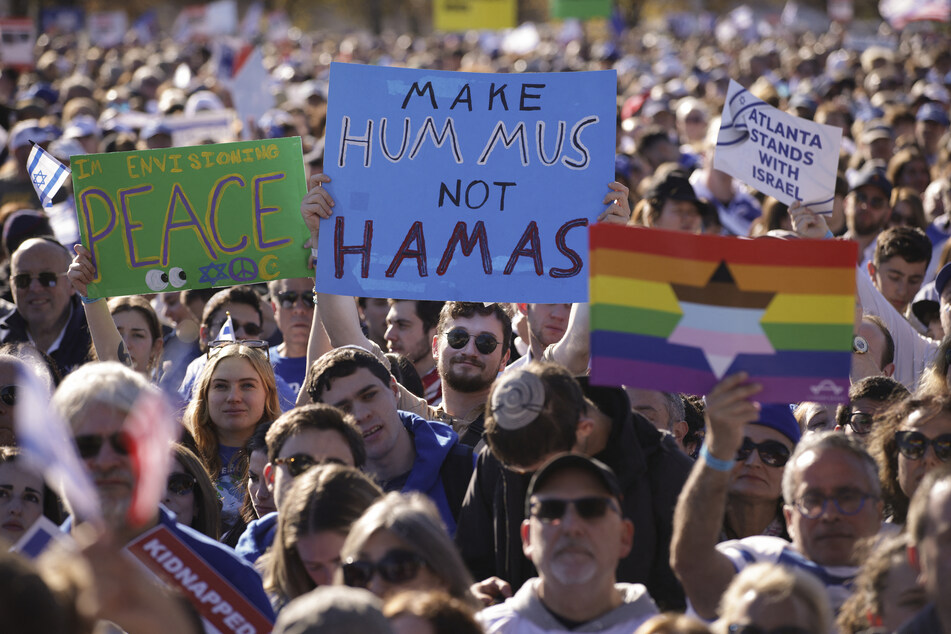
47, 279
876, 202
397, 566
861, 422
913, 445
254, 344
772, 452
550, 510
485, 343
89, 445
287, 299
8, 394
181, 483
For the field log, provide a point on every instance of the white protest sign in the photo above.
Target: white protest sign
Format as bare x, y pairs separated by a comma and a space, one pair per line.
777, 153
203, 126
107, 28
17, 37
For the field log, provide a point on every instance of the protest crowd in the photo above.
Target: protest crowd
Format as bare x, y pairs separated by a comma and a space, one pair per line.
272, 455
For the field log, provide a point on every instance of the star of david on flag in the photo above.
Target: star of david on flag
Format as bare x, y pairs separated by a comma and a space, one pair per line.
47, 174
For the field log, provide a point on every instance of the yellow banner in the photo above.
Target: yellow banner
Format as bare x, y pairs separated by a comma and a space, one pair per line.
462, 15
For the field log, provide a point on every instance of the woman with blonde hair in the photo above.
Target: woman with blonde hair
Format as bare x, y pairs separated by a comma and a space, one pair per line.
235, 392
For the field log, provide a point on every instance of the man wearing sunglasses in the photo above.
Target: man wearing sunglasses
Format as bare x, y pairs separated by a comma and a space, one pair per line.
404, 452
866, 206
96, 400
575, 535
48, 313
867, 399
831, 494
293, 303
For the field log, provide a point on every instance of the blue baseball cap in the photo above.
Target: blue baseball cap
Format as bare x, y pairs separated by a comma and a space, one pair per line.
933, 112
778, 416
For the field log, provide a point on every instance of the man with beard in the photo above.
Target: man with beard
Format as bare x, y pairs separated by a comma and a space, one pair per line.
866, 207
547, 324
404, 452
410, 327
575, 535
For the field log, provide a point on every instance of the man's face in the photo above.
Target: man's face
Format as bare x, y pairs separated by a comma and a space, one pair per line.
830, 538
866, 210
467, 369
294, 317
321, 445
40, 305
373, 404
876, 343
173, 310
246, 321
898, 280
111, 470
548, 322
405, 334
934, 551
573, 551
652, 405
374, 314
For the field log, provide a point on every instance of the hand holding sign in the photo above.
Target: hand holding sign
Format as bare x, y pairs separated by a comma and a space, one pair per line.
316, 205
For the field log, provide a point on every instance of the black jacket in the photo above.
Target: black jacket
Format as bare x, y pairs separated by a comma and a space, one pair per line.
73, 349
651, 470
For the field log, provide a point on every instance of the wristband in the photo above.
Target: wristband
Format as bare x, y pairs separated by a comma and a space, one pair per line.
313, 252
88, 300
713, 462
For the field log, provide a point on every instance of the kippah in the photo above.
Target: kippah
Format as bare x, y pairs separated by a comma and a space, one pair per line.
517, 399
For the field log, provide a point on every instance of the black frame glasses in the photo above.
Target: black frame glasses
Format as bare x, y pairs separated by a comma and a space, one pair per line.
47, 279
485, 343
254, 344
8, 394
287, 299
771, 452
396, 567
914, 445
89, 445
861, 422
181, 483
847, 502
549, 510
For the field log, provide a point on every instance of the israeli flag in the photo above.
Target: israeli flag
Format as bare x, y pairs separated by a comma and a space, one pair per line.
227, 330
47, 174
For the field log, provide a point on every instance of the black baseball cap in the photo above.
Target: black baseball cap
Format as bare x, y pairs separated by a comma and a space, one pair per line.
573, 461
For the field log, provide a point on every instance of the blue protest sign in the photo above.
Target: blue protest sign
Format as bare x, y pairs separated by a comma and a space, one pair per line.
464, 186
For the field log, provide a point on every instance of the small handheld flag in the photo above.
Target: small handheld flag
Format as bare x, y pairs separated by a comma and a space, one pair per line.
227, 330
151, 432
46, 173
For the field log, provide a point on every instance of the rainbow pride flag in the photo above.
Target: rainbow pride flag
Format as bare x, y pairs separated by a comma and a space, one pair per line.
677, 312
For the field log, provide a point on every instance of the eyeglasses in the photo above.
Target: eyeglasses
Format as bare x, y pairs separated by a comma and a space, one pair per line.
47, 279
876, 202
484, 342
861, 422
397, 566
254, 344
287, 299
249, 327
181, 483
550, 510
913, 445
89, 445
8, 394
846, 501
772, 452
737, 628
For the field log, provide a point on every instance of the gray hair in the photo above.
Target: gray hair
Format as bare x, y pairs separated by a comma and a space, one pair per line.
826, 441
103, 382
413, 518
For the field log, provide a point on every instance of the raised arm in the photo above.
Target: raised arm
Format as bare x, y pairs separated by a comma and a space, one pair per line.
105, 336
704, 571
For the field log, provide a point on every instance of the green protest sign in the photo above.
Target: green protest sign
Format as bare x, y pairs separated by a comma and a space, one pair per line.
192, 217
582, 9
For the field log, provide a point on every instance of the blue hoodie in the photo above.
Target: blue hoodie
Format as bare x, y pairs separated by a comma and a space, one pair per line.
257, 537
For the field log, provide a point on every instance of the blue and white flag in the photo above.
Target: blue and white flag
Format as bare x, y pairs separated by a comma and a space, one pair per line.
47, 174
227, 330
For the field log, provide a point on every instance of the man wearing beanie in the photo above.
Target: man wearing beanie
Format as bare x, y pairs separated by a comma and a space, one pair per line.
831, 498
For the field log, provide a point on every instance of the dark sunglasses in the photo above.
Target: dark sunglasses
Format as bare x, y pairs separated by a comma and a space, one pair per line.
550, 510
397, 566
914, 444
89, 445
47, 279
249, 327
287, 299
181, 483
484, 342
254, 344
876, 202
8, 394
772, 452
861, 422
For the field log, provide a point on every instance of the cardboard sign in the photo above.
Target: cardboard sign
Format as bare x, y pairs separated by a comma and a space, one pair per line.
220, 604
776, 153
464, 186
192, 217
581, 9
463, 15
677, 312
